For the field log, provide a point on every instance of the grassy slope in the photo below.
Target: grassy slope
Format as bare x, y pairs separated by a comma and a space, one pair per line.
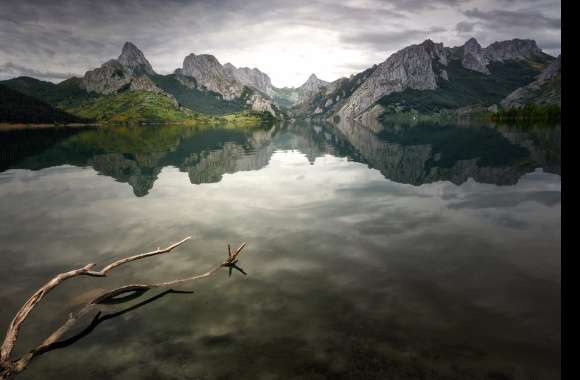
63, 95
133, 106
144, 106
199, 101
16, 107
530, 113
465, 88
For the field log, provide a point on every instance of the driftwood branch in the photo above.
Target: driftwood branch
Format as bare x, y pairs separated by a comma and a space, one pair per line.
9, 367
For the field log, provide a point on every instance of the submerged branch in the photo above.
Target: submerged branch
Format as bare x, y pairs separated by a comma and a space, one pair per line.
9, 368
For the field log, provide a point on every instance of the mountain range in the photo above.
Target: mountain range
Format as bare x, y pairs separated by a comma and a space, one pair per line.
422, 78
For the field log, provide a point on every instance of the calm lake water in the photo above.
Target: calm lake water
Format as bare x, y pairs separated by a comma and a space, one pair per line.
391, 252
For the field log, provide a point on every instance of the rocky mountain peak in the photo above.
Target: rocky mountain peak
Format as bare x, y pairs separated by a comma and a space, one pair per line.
208, 72
477, 58
313, 83
308, 89
435, 50
250, 77
474, 57
229, 66
513, 49
201, 65
472, 45
134, 59
411, 67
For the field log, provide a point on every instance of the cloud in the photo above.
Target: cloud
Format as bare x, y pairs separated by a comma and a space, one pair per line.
10, 70
464, 26
497, 24
391, 40
287, 40
514, 19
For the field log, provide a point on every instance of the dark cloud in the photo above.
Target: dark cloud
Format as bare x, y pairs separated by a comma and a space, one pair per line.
391, 40
289, 40
414, 5
464, 26
514, 19
10, 69
531, 22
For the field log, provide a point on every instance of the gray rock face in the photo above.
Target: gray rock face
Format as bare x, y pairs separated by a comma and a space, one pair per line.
555, 68
144, 83
251, 77
474, 57
410, 67
546, 89
205, 72
310, 88
134, 60
208, 72
187, 81
512, 49
202, 72
422, 67
118, 73
257, 102
298, 96
108, 78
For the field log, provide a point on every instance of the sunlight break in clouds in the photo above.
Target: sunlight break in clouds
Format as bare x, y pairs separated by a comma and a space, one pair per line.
287, 40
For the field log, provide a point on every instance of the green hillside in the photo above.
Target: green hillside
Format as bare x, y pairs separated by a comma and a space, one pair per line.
16, 107
63, 95
465, 88
133, 106
199, 101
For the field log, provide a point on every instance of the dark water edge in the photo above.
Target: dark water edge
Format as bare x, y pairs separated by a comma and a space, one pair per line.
392, 251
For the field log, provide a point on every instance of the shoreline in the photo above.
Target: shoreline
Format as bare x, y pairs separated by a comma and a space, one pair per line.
14, 126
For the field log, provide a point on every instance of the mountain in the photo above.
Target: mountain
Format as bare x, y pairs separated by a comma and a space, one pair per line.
298, 96
251, 77
62, 95
16, 107
429, 77
186, 92
202, 85
134, 60
204, 72
331, 98
421, 78
310, 88
546, 89
209, 73
131, 70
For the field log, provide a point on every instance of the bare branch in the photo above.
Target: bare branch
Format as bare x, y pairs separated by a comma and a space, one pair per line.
22, 314
10, 368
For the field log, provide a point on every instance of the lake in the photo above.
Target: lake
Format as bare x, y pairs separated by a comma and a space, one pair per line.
422, 251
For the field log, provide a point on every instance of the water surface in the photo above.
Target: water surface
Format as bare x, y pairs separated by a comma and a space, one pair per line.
397, 251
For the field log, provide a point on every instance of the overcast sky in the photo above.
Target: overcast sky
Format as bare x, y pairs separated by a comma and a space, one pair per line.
289, 40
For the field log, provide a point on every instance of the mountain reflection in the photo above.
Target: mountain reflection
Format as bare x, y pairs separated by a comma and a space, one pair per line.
410, 154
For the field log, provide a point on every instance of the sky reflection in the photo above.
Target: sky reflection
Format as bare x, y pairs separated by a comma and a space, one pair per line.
350, 274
